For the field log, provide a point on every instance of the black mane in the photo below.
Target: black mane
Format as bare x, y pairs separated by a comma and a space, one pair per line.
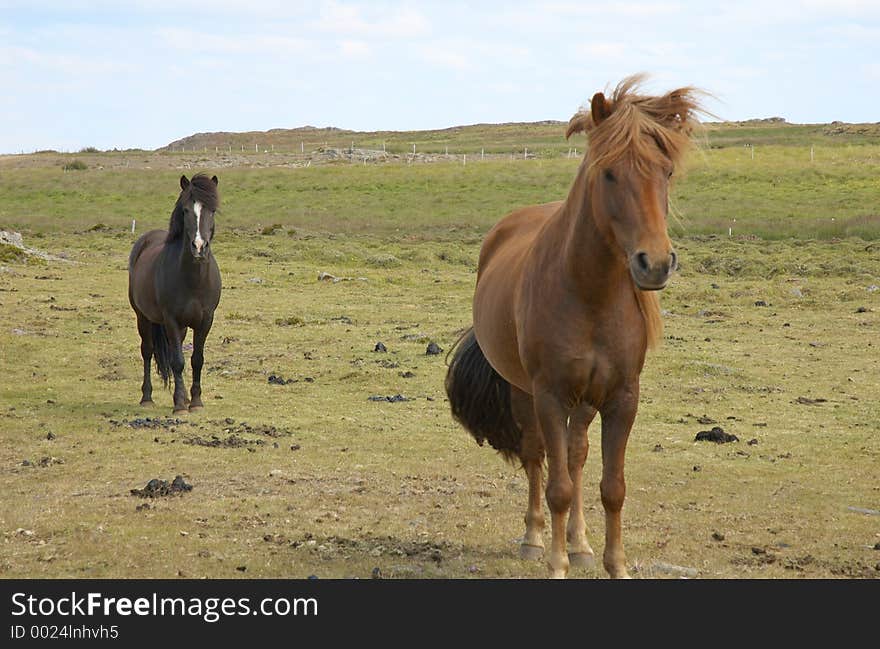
202, 189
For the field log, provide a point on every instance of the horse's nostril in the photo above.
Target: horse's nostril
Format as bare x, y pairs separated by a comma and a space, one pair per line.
642, 261
673, 260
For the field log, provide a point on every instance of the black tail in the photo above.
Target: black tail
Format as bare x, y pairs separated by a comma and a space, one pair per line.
480, 398
162, 353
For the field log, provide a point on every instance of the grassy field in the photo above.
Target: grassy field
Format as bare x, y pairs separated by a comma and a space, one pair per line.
770, 333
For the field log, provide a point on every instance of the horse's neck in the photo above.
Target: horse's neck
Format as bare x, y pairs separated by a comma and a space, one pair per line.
189, 272
586, 256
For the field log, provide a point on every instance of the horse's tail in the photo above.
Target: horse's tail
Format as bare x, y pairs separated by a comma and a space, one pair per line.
162, 352
480, 398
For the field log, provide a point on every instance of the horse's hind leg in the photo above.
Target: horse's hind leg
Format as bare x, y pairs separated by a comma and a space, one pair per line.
532, 456
197, 361
146, 332
579, 551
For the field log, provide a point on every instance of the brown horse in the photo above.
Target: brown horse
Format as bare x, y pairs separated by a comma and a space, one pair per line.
564, 311
174, 283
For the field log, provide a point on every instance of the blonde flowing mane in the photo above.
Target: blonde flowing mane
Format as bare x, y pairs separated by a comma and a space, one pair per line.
644, 130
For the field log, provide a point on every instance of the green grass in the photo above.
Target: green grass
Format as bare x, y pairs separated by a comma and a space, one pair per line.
779, 193
400, 486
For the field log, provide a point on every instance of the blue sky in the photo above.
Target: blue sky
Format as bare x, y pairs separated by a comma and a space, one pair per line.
141, 74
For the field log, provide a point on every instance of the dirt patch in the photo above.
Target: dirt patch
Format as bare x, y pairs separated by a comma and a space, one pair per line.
230, 426
391, 399
233, 441
716, 435
156, 488
383, 546
149, 422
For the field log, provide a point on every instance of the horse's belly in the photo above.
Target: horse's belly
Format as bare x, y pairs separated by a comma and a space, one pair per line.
495, 329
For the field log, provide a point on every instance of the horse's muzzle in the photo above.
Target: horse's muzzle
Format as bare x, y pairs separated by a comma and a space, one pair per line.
199, 254
652, 276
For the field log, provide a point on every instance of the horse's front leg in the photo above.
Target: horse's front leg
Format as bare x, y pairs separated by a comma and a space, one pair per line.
197, 361
552, 416
175, 334
617, 421
579, 551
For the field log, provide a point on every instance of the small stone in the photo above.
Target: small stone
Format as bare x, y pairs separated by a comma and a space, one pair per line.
241, 568
377, 573
760, 303
718, 536
295, 447
50, 436
862, 309
433, 349
658, 448
380, 347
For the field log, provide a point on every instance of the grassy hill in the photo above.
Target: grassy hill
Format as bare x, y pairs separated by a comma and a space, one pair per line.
544, 138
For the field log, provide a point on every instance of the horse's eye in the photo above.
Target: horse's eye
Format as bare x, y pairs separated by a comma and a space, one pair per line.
609, 176
669, 175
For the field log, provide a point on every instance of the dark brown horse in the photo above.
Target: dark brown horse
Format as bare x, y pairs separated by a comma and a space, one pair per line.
174, 283
564, 311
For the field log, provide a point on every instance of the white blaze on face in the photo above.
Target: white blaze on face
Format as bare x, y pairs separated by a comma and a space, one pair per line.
198, 241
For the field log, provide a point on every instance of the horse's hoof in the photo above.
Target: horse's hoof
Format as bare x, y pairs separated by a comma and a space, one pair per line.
180, 411
196, 408
558, 573
530, 552
585, 560
148, 404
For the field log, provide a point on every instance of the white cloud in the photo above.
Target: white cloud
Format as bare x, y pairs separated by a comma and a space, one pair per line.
445, 57
255, 43
348, 19
355, 49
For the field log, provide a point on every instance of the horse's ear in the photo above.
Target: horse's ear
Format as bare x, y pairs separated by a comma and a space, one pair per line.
215, 180
600, 108
184, 182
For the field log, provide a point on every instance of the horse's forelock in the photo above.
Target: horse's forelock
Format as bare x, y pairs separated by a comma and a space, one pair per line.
202, 189
636, 123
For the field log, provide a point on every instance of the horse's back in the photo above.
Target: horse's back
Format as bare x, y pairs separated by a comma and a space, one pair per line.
141, 289
512, 237
153, 238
